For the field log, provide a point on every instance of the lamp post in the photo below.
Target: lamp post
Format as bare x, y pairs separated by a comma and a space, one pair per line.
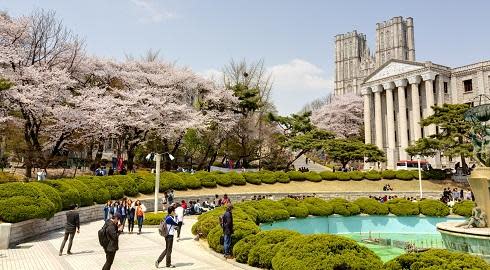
158, 158
420, 176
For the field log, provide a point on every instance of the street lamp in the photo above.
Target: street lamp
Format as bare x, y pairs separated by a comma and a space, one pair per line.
157, 159
420, 176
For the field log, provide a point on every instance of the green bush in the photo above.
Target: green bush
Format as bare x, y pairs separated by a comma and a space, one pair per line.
403, 207
172, 181
147, 186
312, 177
127, 183
388, 174
116, 191
371, 206
190, 180
356, 175
295, 208
69, 195
342, 176
267, 177
20, 208
344, 207
224, 180
318, 207
241, 229
372, 175
436, 259
51, 193
327, 175
86, 194
463, 208
434, 174
207, 179
243, 247
296, 176
404, 175
6, 177
268, 244
323, 251
269, 211
252, 178
433, 208
153, 219
100, 193
281, 177
237, 178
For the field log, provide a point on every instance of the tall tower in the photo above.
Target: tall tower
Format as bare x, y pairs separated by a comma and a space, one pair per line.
351, 52
395, 40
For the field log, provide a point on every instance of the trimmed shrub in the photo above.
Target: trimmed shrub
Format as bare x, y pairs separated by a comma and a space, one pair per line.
241, 229
237, 178
323, 251
433, 208
372, 175
281, 177
223, 180
252, 178
318, 207
388, 174
20, 208
295, 208
116, 191
404, 175
100, 192
436, 259
173, 181
327, 175
6, 177
243, 247
69, 194
153, 219
51, 193
86, 197
147, 186
356, 175
190, 180
268, 244
312, 177
269, 211
344, 207
127, 183
463, 208
371, 206
434, 174
296, 176
267, 177
207, 179
403, 207
342, 176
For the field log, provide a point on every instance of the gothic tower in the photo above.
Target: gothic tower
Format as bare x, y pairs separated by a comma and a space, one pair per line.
395, 40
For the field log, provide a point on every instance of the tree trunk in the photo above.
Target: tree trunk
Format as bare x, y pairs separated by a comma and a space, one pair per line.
100, 151
302, 152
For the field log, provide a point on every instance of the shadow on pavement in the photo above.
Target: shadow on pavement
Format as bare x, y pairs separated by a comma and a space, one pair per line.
82, 252
183, 264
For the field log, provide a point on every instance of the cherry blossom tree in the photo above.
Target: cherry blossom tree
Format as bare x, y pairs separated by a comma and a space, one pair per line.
343, 115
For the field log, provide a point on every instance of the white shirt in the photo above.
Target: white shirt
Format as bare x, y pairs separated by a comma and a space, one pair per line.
179, 211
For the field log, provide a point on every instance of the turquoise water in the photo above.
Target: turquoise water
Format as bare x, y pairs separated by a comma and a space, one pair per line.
420, 231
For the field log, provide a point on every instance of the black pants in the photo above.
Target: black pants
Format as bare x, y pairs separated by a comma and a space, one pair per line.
67, 234
109, 259
169, 242
179, 227
130, 224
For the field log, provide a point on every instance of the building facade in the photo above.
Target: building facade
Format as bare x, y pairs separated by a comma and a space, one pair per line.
400, 91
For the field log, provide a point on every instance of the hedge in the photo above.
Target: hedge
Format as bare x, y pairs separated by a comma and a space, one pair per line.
127, 183
371, 206
312, 177
102, 194
356, 175
116, 191
207, 179
170, 180
241, 229
327, 175
281, 177
223, 180
372, 175
190, 181
463, 208
267, 177
6, 177
52, 194
295, 207
434, 208
69, 195
344, 207
388, 174
404, 175
86, 196
403, 207
342, 176
252, 178
296, 176
434, 174
436, 259
318, 207
237, 179
153, 219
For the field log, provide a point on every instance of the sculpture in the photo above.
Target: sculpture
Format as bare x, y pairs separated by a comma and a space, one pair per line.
478, 219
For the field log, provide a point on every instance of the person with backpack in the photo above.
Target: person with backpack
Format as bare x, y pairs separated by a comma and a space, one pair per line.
227, 224
140, 214
167, 230
72, 225
109, 239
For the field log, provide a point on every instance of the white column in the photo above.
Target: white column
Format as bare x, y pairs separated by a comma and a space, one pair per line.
377, 116
402, 118
390, 126
414, 84
429, 78
367, 115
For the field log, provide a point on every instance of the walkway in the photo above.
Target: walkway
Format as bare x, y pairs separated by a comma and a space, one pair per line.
135, 252
312, 166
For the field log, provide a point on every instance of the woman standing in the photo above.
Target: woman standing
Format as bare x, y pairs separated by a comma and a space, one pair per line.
107, 208
131, 215
140, 214
124, 212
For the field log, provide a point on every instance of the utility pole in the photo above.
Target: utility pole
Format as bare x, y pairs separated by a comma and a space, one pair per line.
158, 158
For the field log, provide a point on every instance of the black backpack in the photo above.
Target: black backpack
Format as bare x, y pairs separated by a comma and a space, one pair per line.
103, 239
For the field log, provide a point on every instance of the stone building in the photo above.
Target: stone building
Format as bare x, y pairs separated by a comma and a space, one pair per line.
399, 91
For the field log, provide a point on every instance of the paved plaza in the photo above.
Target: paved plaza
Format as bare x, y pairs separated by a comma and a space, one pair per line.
137, 252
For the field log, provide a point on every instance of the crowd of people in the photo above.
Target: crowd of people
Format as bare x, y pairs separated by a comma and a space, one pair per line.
452, 196
387, 187
128, 211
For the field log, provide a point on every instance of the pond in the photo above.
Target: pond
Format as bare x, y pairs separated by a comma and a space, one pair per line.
394, 232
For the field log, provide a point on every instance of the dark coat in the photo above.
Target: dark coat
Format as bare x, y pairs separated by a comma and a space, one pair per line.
113, 235
228, 223
72, 221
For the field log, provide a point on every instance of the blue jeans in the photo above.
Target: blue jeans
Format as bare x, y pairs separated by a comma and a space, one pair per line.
140, 223
227, 244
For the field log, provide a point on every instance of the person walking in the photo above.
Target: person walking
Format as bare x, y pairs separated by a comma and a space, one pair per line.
179, 212
169, 239
131, 216
107, 208
72, 225
228, 230
112, 231
140, 214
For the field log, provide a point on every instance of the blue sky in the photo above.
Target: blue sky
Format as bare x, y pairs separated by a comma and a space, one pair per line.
295, 38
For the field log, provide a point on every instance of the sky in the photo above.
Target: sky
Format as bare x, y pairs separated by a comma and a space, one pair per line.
294, 38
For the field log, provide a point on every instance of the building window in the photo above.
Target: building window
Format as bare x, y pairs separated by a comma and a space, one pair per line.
445, 88
468, 85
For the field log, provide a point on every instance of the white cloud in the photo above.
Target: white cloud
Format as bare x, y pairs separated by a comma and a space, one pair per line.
212, 74
152, 12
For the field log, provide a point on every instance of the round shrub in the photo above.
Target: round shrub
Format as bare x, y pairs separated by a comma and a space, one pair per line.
269, 211
312, 177
323, 251
295, 208
20, 208
356, 175
127, 183
86, 197
268, 244
342, 176
207, 179
281, 177
101, 194
51, 193
267, 177
436, 259
19, 189
463, 208
190, 181
223, 180
434, 174
252, 178
242, 248
433, 208
372, 175
153, 219
69, 195
344, 207
296, 176
241, 229
147, 186
318, 207
327, 175
371, 206
116, 191
173, 181
237, 178
404, 175
388, 174
403, 207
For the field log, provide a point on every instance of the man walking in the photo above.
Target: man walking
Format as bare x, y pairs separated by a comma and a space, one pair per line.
179, 212
228, 230
72, 225
169, 239
112, 231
